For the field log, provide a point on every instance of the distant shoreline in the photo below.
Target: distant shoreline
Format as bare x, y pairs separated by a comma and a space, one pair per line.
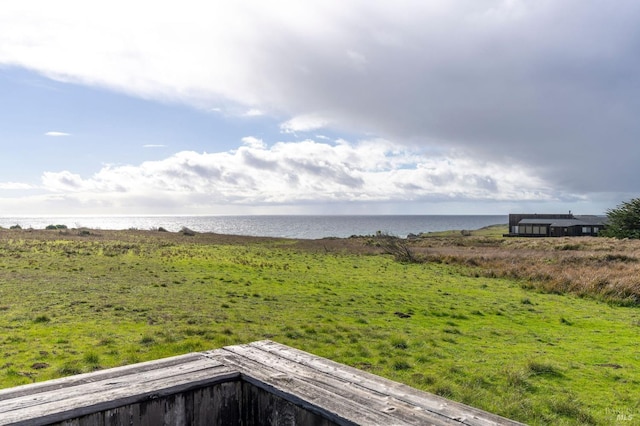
294, 226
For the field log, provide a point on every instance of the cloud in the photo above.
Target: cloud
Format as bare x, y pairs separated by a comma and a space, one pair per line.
302, 172
552, 86
15, 186
253, 112
57, 134
151, 145
253, 142
304, 123
62, 181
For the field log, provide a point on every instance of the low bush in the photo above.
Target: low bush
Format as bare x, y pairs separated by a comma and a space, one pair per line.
399, 248
50, 227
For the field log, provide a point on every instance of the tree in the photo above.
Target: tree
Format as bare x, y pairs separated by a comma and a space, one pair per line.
624, 220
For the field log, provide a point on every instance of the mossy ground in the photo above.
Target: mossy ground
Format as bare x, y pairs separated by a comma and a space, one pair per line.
72, 304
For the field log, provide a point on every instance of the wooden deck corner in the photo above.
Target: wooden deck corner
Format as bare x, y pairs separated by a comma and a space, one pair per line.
260, 383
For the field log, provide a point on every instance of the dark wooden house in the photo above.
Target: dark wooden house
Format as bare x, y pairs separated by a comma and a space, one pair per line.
555, 225
260, 383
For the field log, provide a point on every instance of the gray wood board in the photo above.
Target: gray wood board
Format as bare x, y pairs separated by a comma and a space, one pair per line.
312, 379
111, 391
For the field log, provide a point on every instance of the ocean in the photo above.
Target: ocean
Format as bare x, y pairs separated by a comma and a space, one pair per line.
307, 227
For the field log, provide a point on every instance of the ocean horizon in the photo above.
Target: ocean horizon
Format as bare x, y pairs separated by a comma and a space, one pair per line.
285, 226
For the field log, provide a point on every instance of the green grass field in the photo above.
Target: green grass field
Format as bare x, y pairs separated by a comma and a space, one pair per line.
71, 304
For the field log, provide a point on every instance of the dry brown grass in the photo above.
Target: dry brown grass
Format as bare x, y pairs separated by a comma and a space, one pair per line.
588, 266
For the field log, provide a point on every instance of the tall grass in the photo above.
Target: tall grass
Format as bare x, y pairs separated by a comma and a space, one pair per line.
602, 268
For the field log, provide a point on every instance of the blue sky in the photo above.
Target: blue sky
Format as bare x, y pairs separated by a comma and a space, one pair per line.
66, 126
442, 107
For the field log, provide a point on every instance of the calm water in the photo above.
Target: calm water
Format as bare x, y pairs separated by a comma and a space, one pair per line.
311, 227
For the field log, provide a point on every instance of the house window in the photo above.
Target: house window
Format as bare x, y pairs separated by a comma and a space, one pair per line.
586, 230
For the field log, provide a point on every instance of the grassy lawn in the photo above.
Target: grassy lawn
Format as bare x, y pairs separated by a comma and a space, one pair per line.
74, 303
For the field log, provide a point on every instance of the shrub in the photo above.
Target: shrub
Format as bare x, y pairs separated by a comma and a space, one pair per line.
147, 340
186, 231
444, 391
399, 342
624, 220
543, 369
42, 319
56, 227
568, 246
400, 364
619, 258
395, 246
565, 321
69, 369
91, 358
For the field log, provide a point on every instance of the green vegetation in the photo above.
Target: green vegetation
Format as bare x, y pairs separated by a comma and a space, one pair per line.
624, 220
493, 231
50, 227
73, 302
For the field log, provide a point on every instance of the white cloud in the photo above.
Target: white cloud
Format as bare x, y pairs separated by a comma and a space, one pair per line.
63, 181
151, 145
15, 186
254, 112
304, 123
542, 83
253, 142
300, 172
57, 134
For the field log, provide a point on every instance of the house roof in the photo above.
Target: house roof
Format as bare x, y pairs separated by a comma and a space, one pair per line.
576, 221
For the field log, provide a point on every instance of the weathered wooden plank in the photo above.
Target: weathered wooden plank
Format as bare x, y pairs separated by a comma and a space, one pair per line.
99, 384
395, 391
335, 407
174, 410
367, 388
224, 406
355, 379
311, 377
260, 407
111, 373
135, 392
362, 398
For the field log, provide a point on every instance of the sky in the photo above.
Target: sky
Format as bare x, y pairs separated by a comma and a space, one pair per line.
318, 107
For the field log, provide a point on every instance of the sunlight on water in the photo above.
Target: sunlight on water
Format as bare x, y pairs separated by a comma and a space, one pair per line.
311, 227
